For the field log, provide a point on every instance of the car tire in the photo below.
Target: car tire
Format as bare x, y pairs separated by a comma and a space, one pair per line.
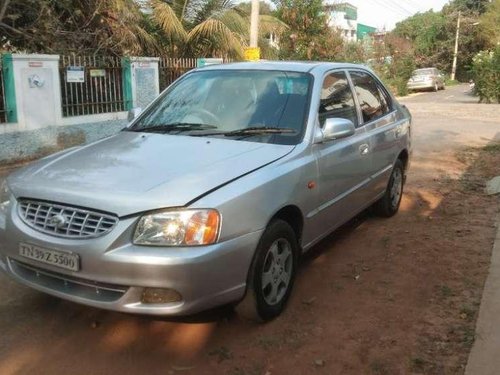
275, 265
389, 204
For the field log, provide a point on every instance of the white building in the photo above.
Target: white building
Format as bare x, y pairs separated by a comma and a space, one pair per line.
344, 17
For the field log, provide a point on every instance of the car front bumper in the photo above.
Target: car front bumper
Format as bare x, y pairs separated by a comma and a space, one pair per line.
114, 273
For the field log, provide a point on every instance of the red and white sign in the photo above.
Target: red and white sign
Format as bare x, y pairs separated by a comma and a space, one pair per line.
35, 64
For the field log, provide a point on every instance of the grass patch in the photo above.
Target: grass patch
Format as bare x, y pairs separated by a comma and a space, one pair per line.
417, 364
468, 336
445, 291
451, 82
379, 368
494, 147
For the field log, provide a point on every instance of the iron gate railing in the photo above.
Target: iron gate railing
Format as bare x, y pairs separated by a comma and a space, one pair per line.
172, 68
101, 90
3, 107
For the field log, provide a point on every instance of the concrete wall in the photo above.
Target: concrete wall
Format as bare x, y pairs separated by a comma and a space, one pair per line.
39, 126
17, 146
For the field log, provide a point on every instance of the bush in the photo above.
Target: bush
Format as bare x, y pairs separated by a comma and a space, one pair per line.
393, 60
401, 85
486, 71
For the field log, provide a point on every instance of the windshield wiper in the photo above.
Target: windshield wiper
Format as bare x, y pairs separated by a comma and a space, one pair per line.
256, 130
176, 126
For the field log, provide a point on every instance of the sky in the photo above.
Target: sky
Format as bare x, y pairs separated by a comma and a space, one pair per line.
386, 13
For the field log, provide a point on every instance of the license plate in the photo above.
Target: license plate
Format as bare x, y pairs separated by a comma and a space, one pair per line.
56, 258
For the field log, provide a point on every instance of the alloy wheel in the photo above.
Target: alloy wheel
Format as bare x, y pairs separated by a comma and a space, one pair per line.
277, 271
396, 188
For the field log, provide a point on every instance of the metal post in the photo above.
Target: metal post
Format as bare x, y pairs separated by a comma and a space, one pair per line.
454, 67
254, 24
10, 88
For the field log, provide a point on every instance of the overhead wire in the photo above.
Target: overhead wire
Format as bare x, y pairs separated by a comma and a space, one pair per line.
395, 4
391, 8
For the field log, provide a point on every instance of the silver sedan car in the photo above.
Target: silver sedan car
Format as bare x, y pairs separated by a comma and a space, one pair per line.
212, 193
426, 79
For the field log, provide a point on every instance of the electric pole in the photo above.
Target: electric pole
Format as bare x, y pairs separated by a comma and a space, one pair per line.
455, 55
254, 24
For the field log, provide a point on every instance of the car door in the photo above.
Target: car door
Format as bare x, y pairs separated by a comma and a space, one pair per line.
381, 126
343, 164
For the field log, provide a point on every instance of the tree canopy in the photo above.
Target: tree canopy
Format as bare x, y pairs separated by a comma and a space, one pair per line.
308, 36
133, 27
74, 25
433, 35
489, 24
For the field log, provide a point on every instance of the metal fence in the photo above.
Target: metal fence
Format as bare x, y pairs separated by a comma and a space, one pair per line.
3, 109
91, 85
172, 68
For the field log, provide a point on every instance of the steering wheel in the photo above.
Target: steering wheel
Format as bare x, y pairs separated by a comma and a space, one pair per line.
204, 115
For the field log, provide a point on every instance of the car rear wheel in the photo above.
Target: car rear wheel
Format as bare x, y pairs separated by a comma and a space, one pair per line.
389, 204
272, 273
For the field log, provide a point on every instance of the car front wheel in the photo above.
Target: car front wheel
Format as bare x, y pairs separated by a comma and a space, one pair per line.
271, 274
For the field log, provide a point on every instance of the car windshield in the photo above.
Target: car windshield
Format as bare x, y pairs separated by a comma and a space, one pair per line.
423, 72
251, 105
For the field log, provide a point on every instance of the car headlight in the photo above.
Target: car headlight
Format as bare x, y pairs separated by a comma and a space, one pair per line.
178, 228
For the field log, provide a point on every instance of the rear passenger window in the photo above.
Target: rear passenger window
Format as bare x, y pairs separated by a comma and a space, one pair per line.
337, 99
373, 101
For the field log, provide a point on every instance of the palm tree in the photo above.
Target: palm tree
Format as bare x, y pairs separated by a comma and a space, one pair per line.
75, 26
207, 27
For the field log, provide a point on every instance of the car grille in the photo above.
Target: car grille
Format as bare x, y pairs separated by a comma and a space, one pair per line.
65, 221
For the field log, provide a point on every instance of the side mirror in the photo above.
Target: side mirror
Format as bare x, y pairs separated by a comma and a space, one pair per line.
133, 113
337, 128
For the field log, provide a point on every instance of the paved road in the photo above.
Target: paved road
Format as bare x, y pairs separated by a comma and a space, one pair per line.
42, 333
451, 119
446, 121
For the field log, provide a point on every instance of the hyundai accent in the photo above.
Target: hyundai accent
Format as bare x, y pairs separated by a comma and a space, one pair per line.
212, 193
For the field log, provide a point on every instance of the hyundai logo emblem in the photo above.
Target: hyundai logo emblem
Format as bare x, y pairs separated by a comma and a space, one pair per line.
58, 221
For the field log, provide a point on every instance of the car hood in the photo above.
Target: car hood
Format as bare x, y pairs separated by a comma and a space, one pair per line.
134, 172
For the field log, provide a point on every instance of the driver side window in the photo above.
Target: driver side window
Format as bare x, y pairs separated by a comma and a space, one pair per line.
337, 99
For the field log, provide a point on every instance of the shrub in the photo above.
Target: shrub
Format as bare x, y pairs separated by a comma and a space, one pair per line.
486, 71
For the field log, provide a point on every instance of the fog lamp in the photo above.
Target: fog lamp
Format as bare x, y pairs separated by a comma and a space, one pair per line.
160, 295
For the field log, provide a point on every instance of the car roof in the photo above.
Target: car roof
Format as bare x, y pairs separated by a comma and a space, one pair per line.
289, 66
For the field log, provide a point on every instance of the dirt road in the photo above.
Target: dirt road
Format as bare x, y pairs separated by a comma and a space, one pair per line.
379, 296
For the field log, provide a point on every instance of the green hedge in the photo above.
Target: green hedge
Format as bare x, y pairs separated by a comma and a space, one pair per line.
486, 71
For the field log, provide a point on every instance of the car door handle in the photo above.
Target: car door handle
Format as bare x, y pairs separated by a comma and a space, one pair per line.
364, 149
